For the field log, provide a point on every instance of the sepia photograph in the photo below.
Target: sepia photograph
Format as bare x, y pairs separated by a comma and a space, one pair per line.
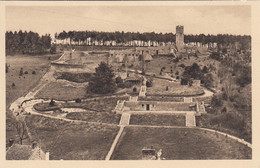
128, 82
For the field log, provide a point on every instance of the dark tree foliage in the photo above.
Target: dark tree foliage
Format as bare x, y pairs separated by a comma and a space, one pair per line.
216, 101
216, 56
205, 70
52, 102
244, 77
53, 49
193, 71
102, 82
26, 43
6, 68
123, 37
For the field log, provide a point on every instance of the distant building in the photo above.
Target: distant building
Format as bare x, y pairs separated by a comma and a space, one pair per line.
180, 37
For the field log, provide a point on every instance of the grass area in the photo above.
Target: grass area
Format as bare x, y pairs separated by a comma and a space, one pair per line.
99, 104
95, 117
206, 100
24, 83
158, 119
178, 144
68, 141
174, 89
161, 98
61, 91
229, 123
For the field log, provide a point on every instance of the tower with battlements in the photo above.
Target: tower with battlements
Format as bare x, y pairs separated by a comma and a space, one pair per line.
179, 37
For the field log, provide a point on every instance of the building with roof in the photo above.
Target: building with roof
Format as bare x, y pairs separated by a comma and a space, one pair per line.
25, 152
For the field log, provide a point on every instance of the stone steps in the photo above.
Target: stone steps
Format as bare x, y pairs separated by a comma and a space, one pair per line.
190, 120
125, 119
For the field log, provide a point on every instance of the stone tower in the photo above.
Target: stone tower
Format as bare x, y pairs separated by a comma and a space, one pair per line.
179, 37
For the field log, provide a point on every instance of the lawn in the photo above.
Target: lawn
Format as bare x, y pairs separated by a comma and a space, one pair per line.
95, 117
70, 141
161, 98
178, 144
158, 119
61, 91
174, 89
24, 83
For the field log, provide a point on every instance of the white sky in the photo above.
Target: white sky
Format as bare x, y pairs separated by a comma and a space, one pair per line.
196, 19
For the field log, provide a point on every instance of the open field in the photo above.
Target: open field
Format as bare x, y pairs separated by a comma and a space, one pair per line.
174, 89
95, 117
69, 141
178, 144
61, 91
24, 83
157, 119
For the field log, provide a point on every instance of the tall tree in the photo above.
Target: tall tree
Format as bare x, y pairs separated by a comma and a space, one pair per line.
102, 81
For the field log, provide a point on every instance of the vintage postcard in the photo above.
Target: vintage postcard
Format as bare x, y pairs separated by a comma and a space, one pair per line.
148, 83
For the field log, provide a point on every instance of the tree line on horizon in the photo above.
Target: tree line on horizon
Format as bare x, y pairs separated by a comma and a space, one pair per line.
123, 37
26, 43
23, 42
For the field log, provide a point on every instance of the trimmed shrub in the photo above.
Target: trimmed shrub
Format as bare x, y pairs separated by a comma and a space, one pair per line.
78, 100
52, 102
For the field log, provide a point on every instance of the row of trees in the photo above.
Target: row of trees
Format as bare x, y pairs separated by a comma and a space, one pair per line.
26, 42
121, 37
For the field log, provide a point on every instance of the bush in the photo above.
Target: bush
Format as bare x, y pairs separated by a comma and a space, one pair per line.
216, 101
224, 110
134, 89
26, 72
52, 102
185, 81
33, 72
182, 65
78, 100
149, 83
119, 80
13, 85
21, 72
